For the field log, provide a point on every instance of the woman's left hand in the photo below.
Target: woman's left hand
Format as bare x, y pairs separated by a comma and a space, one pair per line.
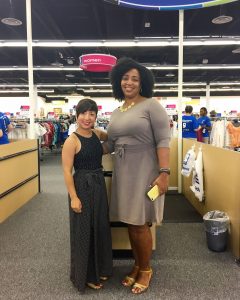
162, 181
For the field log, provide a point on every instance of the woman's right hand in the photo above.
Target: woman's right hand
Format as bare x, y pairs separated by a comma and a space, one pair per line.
76, 205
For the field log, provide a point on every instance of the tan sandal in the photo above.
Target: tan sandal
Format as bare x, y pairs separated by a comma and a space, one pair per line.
139, 288
103, 278
129, 280
94, 286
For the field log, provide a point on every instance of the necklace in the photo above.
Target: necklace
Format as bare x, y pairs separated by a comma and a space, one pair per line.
122, 109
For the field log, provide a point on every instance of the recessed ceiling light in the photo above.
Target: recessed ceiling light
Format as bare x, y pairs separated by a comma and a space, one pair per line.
70, 75
205, 61
169, 75
11, 21
147, 24
237, 50
222, 20
57, 64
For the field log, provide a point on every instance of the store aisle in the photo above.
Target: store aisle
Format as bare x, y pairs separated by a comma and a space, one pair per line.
34, 255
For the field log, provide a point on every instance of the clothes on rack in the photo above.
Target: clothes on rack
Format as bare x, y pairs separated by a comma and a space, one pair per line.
219, 136
234, 133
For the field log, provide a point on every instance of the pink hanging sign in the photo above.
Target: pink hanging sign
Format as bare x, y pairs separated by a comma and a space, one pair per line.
97, 62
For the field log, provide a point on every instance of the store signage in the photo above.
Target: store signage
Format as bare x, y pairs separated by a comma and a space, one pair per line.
171, 4
97, 62
24, 107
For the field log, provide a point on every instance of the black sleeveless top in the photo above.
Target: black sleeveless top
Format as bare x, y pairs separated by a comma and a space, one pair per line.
90, 155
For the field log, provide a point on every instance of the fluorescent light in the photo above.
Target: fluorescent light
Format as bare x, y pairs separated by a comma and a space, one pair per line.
197, 90
51, 44
139, 42
13, 44
56, 69
87, 44
98, 91
13, 68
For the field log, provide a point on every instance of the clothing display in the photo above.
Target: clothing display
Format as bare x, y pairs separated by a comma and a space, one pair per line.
90, 236
234, 133
219, 136
135, 134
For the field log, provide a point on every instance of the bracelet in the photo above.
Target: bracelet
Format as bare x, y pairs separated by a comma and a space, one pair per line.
164, 170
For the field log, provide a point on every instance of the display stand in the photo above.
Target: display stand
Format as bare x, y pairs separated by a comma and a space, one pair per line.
19, 176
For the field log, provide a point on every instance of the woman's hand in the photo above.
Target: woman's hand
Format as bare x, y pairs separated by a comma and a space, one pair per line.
76, 205
162, 181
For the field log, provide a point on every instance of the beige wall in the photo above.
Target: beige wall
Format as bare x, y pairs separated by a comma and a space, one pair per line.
221, 186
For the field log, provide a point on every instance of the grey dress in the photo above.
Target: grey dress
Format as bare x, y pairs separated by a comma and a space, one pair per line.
134, 136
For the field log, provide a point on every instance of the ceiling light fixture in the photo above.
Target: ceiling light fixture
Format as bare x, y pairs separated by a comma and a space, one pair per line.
237, 50
140, 42
170, 75
222, 20
11, 21
70, 75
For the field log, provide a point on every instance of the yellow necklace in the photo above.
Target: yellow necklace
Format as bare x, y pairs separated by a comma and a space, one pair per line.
122, 109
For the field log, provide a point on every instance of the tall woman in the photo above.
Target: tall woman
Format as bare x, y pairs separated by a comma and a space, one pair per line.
90, 236
139, 135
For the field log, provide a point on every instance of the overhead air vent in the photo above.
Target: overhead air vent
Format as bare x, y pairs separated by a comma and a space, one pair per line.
222, 20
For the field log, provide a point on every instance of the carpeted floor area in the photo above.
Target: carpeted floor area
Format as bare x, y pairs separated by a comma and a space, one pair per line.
177, 209
34, 255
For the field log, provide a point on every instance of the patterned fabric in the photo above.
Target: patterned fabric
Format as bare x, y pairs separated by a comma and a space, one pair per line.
90, 155
90, 235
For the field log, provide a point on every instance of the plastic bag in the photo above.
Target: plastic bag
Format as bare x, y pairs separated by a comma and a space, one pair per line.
188, 162
216, 222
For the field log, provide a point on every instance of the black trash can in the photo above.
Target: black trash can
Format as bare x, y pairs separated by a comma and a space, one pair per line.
216, 225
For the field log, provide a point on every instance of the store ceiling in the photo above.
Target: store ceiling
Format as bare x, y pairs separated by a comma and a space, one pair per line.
81, 20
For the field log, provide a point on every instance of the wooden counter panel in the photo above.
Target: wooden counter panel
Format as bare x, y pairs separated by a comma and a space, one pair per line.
17, 169
11, 202
17, 146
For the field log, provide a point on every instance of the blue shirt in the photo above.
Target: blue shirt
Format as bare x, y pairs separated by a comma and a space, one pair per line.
4, 122
203, 122
189, 123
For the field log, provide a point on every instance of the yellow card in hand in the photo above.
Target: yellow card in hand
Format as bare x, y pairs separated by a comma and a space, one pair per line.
153, 193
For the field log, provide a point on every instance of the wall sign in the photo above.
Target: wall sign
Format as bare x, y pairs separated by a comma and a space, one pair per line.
97, 62
171, 4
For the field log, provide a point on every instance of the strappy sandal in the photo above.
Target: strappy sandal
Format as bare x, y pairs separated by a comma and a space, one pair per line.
95, 286
104, 278
129, 280
139, 288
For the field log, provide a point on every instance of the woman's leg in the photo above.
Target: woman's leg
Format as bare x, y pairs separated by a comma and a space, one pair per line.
141, 241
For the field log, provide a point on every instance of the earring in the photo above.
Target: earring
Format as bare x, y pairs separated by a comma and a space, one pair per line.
140, 91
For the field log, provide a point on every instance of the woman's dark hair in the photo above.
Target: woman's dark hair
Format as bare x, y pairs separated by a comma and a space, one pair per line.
86, 105
122, 67
188, 109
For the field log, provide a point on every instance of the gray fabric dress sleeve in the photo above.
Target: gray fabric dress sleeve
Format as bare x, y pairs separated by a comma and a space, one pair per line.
160, 124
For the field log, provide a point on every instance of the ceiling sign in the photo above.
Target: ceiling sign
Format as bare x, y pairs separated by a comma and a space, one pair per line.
97, 62
171, 4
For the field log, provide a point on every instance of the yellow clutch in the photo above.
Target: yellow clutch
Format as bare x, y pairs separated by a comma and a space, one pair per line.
153, 193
